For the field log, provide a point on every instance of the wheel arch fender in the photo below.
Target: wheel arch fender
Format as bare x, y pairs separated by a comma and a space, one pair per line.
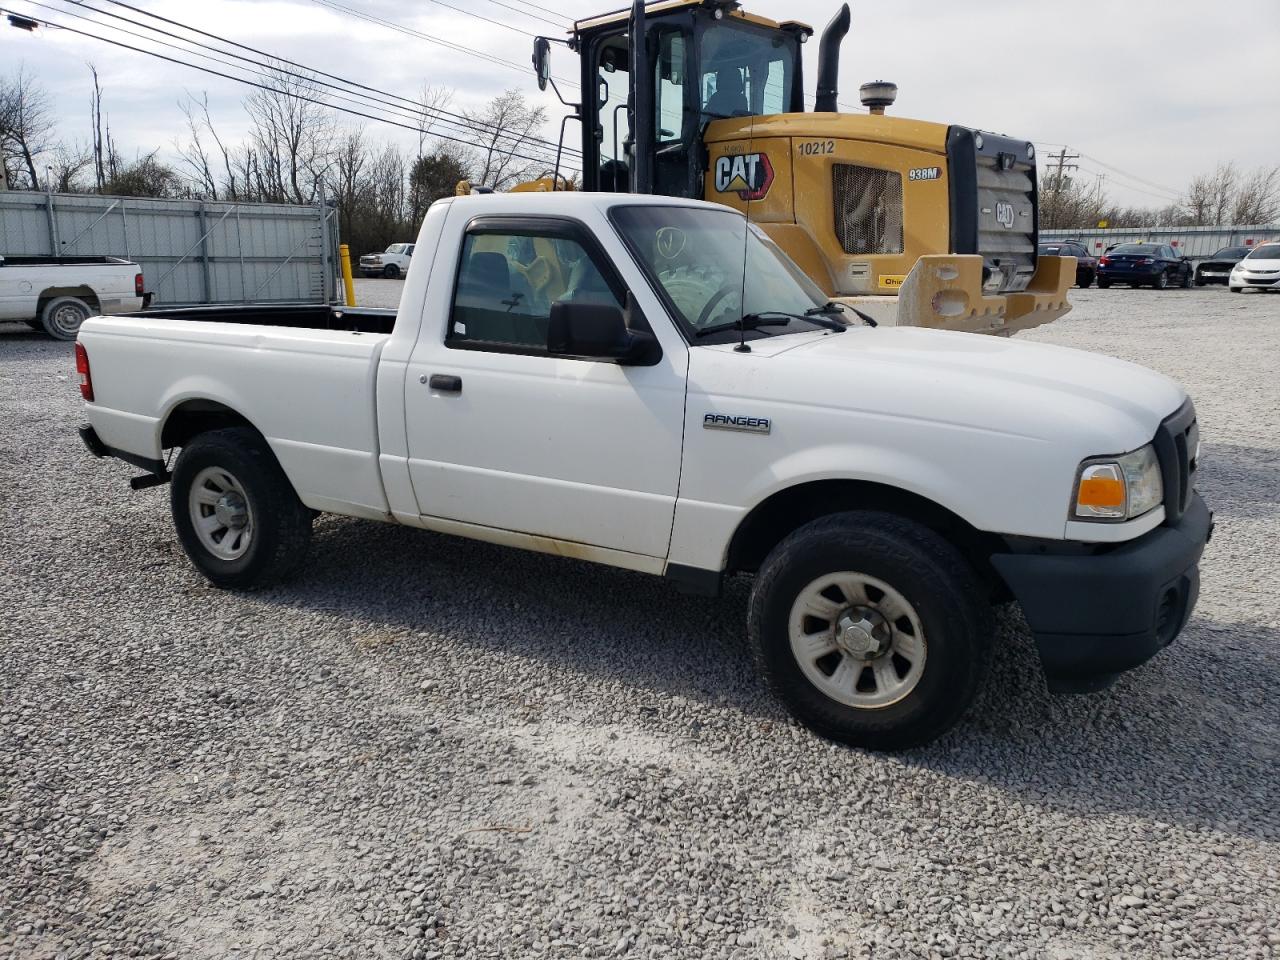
80, 292
789, 507
191, 412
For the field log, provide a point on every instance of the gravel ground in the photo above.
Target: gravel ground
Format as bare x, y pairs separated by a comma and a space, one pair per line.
428, 747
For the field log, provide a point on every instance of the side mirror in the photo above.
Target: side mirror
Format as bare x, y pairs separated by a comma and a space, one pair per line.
542, 61
599, 331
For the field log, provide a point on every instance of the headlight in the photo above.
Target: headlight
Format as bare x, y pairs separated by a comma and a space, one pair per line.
1118, 488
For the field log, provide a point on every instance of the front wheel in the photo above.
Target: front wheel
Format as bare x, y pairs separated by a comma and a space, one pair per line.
1236, 289
871, 629
1188, 281
236, 513
62, 316
1161, 281
391, 271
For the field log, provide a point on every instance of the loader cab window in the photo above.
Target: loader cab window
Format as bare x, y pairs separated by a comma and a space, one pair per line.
744, 71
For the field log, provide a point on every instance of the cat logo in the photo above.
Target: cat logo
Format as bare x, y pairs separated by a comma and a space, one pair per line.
1004, 214
749, 175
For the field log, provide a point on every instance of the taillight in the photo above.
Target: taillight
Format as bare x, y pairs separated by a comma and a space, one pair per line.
82, 368
1146, 261
137, 285
1105, 262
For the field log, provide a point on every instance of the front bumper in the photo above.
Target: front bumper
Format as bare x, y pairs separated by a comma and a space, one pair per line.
1096, 615
1128, 276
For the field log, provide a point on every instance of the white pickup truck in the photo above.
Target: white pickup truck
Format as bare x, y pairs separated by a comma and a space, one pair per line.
57, 294
391, 263
597, 376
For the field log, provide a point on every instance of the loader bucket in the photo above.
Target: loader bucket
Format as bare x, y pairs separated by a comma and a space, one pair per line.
944, 292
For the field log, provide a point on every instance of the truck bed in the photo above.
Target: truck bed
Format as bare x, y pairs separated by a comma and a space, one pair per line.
304, 316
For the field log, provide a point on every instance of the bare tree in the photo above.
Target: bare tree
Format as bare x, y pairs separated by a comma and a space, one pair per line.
291, 136
430, 101
67, 163
1257, 198
503, 130
26, 128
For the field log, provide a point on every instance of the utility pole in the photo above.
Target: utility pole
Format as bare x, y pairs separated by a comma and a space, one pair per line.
1055, 204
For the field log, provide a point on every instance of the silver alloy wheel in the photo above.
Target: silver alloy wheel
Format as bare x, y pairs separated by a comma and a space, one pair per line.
220, 513
857, 639
67, 317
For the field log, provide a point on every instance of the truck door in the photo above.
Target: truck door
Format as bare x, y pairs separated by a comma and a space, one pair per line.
504, 435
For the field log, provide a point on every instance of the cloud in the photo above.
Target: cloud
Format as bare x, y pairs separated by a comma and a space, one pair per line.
1151, 93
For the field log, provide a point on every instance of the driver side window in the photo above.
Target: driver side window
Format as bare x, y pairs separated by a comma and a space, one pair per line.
508, 281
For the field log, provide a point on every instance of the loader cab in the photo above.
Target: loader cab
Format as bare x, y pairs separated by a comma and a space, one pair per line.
705, 61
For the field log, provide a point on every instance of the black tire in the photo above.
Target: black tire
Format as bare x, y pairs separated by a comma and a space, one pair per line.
1103, 284
1235, 289
1188, 280
1161, 281
391, 271
281, 525
1084, 279
62, 316
929, 573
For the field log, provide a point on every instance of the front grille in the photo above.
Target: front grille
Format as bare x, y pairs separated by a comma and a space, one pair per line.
868, 209
1006, 222
1176, 442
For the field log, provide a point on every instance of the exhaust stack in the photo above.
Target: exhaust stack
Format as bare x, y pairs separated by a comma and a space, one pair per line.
829, 61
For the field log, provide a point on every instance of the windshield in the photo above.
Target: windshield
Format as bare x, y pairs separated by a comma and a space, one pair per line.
396, 248
1230, 253
1049, 250
694, 258
1144, 248
1267, 251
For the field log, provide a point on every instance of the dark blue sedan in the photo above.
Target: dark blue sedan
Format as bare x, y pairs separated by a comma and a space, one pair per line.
1144, 265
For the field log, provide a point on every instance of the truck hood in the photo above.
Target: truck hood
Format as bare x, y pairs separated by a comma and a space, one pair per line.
983, 382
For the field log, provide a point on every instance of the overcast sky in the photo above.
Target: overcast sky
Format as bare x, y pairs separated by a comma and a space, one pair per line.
1151, 92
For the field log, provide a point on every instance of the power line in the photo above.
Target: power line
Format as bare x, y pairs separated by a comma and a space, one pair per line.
1128, 176
1167, 198
408, 113
561, 24
413, 108
410, 31
260, 86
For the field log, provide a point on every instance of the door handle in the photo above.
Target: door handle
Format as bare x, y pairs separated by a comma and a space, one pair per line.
445, 383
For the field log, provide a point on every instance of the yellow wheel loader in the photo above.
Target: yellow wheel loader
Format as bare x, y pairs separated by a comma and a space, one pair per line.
912, 223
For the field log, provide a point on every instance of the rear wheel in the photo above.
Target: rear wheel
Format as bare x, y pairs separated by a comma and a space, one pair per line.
871, 629
1084, 279
237, 515
1103, 283
62, 316
391, 271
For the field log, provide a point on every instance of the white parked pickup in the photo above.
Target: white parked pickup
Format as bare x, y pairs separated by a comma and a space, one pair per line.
56, 294
589, 375
392, 262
